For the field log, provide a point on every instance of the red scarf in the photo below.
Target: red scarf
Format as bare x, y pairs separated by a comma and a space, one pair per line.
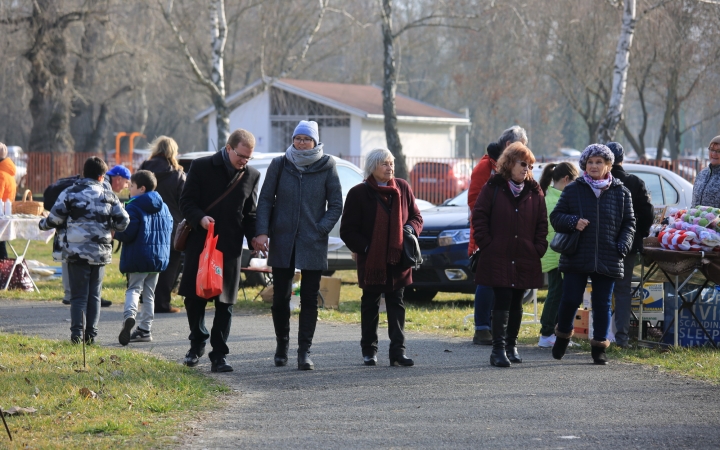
386, 246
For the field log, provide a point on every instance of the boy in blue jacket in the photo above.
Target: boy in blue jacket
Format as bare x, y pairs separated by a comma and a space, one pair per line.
145, 253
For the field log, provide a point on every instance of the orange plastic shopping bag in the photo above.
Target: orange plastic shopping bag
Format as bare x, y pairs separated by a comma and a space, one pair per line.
209, 281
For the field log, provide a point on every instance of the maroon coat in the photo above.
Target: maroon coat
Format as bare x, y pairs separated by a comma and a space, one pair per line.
511, 235
358, 224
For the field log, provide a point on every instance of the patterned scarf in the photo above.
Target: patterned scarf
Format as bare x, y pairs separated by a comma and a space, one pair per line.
516, 188
386, 243
598, 186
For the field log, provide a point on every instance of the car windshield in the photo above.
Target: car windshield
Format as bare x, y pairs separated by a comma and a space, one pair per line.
460, 200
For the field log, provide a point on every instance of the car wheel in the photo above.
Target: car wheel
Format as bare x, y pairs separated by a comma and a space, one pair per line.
528, 297
419, 295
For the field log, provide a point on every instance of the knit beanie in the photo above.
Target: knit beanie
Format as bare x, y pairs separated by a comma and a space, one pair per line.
617, 150
596, 150
308, 128
494, 150
715, 140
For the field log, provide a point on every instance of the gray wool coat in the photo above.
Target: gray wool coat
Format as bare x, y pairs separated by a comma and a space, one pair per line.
300, 213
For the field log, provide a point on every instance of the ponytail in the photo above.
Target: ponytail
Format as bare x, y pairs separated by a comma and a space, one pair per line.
547, 176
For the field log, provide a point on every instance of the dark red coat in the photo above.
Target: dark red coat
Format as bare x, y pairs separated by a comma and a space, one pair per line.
358, 225
511, 235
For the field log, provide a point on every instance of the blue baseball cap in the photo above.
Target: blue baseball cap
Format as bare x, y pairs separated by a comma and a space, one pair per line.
120, 171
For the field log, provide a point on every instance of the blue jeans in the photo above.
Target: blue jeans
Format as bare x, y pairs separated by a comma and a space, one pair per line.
573, 289
484, 301
85, 287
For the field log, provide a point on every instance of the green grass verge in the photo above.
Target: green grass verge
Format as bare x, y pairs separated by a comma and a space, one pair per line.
141, 401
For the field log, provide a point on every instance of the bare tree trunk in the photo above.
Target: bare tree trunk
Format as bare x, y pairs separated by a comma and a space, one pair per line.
389, 88
670, 106
50, 105
218, 33
216, 82
608, 127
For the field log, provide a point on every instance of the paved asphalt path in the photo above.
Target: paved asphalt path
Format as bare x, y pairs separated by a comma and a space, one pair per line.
452, 398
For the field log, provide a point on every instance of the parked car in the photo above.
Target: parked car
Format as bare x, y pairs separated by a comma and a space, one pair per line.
438, 181
446, 233
349, 174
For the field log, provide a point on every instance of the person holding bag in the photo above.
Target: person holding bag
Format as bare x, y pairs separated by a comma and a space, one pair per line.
300, 203
599, 206
377, 214
220, 189
510, 225
561, 175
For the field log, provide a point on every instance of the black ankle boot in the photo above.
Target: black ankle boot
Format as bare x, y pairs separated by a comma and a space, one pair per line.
499, 325
513, 329
281, 351
597, 350
562, 340
304, 361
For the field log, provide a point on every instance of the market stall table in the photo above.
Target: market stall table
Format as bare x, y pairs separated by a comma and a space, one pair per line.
673, 266
22, 227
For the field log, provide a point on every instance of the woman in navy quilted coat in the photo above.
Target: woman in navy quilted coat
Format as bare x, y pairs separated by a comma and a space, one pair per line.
600, 207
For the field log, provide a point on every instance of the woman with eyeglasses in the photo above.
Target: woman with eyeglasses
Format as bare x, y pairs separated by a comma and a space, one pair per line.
599, 206
299, 204
510, 227
706, 191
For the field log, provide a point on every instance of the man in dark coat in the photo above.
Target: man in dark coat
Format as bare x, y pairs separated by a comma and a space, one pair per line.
644, 214
234, 217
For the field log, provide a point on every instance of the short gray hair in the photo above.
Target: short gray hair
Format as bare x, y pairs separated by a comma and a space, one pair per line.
376, 157
515, 133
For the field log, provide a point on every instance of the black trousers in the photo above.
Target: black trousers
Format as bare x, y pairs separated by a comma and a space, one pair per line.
309, 288
370, 316
166, 281
195, 307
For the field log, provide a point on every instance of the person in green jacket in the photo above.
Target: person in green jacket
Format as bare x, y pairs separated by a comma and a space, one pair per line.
561, 175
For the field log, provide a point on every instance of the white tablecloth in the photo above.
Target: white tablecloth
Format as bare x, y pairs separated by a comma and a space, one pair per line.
26, 228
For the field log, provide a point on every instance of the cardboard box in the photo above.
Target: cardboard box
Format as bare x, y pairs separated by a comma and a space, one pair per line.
330, 292
267, 294
582, 324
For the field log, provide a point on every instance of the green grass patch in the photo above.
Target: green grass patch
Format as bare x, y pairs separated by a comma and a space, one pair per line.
139, 400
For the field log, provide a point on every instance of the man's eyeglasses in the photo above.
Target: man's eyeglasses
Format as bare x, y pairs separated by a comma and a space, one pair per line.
714, 150
300, 140
526, 165
246, 158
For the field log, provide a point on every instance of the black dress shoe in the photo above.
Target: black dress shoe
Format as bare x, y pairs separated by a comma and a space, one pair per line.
192, 357
370, 360
220, 365
304, 361
105, 303
401, 360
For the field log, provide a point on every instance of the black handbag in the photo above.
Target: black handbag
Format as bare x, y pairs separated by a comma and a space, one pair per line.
411, 257
566, 243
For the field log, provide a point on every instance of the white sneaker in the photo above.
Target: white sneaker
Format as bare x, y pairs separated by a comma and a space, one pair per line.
547, 341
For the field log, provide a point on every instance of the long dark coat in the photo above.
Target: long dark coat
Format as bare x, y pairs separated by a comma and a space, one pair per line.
358, 225
643, 208
170, 184
607, 239
511, 235
298, 210
234, 217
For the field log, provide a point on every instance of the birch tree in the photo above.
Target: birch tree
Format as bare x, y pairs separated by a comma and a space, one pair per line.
215, 83
613, 115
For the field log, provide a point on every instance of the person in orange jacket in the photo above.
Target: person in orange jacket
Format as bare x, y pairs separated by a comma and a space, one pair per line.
485, 168
8, 186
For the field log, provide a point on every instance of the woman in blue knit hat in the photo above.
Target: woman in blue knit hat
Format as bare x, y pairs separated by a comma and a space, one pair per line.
599, 207
299, 204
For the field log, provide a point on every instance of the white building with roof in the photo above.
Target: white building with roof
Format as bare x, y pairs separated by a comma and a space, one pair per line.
349, 117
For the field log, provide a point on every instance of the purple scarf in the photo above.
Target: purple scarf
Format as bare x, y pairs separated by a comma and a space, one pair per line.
515, 188
598, 186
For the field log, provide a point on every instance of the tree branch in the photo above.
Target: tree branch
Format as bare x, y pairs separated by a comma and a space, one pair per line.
308, 42
198, 73
351, 17
423, 21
